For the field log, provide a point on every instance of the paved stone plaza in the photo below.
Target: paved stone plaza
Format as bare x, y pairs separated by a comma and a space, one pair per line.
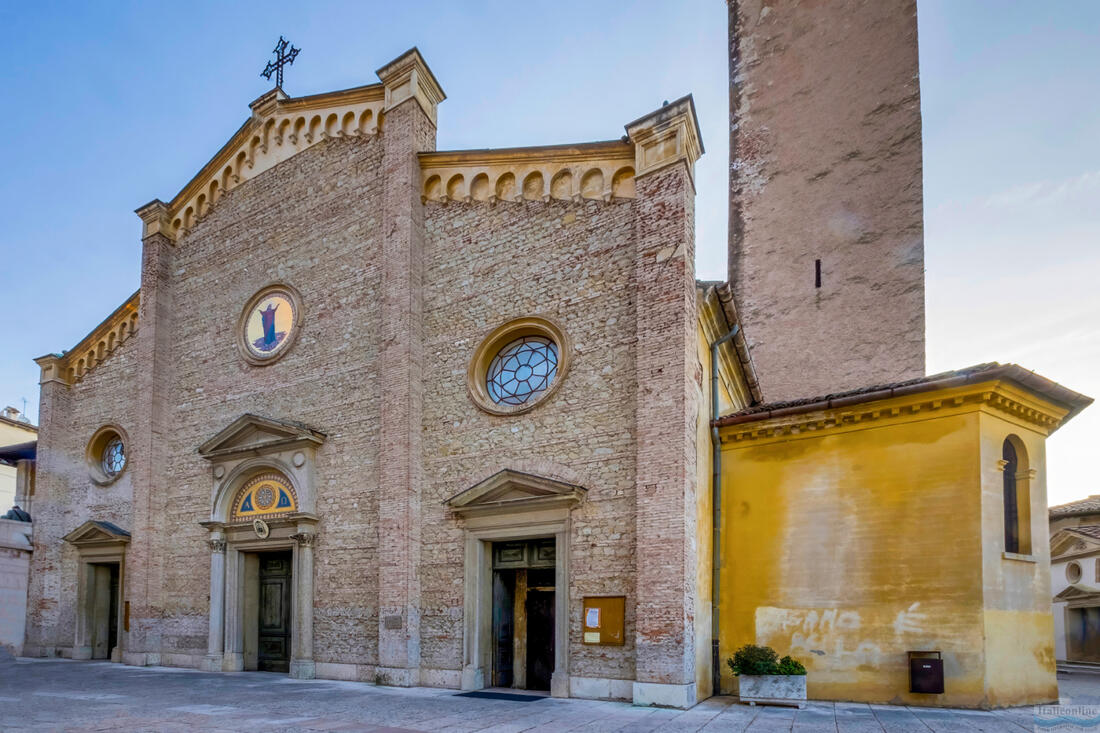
96, 696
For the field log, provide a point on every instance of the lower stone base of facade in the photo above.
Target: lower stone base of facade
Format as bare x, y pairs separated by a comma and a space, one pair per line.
664, 695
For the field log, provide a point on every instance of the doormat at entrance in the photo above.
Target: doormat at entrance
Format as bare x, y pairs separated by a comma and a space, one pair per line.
501, 696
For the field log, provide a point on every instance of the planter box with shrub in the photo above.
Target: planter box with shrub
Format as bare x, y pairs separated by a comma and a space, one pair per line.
764, 678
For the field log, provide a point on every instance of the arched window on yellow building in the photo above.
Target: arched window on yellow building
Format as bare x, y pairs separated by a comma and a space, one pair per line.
1017, 496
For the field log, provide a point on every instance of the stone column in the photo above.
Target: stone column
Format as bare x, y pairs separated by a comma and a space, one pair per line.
666, 146
233, 655
215, 644
302, 666
409, 128
85, 600
142, 645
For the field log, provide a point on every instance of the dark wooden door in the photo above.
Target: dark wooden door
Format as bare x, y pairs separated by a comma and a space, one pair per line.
504, 585
274, 647
540, 639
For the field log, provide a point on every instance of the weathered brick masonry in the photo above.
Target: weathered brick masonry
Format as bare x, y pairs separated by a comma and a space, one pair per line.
825, 165
398, 290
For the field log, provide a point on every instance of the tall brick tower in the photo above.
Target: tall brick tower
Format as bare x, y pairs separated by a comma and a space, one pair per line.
826, 231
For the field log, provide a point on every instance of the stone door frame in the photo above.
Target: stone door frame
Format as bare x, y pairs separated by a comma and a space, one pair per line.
250, 445
97, 543
228, 605
507, 506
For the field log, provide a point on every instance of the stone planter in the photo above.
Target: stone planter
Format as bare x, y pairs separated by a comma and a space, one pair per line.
773, 689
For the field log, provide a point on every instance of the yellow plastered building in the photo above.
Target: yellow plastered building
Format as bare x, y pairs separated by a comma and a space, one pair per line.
861, 527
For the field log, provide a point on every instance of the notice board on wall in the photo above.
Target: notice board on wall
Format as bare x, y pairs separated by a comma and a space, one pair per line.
603, 620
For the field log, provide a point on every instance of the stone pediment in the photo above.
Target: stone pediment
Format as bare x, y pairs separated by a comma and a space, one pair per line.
255, 435
1070, 542
1078, 591
94, 532
514, 491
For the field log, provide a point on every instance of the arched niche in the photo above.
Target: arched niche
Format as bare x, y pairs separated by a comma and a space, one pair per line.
243, 456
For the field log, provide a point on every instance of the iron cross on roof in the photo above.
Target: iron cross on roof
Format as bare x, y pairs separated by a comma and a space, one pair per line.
282, 58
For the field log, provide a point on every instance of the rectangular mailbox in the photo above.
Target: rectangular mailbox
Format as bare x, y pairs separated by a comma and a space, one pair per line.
926, 673
603, 620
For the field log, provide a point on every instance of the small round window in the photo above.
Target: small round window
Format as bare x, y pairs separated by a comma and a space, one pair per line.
106, 454
522, 370
269, 324
1073, 572
114, 457
518, 365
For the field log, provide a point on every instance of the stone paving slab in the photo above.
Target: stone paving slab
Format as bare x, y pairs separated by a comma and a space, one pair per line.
62, 695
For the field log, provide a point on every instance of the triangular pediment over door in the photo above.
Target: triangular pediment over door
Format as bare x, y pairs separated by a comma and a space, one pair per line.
254, 434
515, 491
94, 532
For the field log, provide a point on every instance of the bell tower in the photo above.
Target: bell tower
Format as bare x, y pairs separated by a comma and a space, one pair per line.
826, 236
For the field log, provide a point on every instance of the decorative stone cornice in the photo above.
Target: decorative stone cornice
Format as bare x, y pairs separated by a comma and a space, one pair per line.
279, 127
599, 171
666, 136
70, 367
156, 219
997, 397
408, 77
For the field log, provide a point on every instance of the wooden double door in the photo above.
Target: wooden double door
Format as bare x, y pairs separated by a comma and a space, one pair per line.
273, 649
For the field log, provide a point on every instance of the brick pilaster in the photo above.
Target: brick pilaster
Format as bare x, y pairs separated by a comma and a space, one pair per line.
147, 450
667, 144
45, 630
409, 128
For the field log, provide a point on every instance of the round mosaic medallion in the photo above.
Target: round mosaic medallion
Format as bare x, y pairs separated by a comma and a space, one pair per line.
265, 497
269, 324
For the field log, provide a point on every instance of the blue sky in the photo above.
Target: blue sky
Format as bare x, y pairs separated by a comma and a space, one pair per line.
111, 104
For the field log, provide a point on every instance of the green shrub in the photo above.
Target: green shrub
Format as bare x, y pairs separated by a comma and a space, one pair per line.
753, 660
762, 660
790, 666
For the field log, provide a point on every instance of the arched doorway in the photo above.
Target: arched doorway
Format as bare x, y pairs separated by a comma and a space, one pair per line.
262, 534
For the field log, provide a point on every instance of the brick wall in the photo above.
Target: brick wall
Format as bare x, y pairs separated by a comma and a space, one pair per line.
487, 264
825, 164
314, 222
65, 495
396, 297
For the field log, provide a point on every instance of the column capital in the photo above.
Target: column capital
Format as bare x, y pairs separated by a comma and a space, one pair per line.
155, 219
216, 545
304, 539
665, 136
408, 76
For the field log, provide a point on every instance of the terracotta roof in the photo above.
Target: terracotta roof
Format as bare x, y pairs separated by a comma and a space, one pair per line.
1089, 530
1090, 505
1073, 401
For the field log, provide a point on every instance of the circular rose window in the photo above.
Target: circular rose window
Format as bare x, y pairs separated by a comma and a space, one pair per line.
518, 365
113, 459
522, 370
269, 324
105, 454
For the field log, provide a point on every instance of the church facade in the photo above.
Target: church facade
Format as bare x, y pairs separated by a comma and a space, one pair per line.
467, 419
